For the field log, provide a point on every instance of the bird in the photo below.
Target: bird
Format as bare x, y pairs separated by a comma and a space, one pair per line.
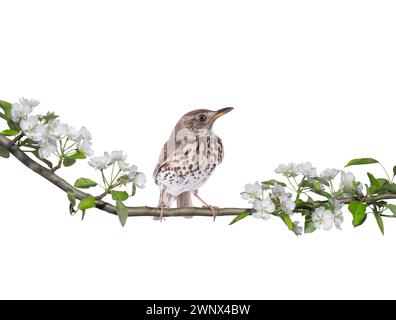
188, 159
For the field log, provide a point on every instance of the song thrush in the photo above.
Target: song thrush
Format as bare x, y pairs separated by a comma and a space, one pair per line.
188, 159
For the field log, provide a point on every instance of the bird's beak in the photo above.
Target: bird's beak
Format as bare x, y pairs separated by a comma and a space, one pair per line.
222, 112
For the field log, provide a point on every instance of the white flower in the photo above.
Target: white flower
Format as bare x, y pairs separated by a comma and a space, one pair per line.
263, 208
278, 190
101, 162
117, 156
33, 129
348, 183
123, 165
322, 218
329, 174
287, 204
308, 170
22, 109
29, 124
72, 133
297, 229
85, 134
56, 128
32, 103
132, 171
47, 147
85, 147
290, 170
252, 192
140, 180
338, 217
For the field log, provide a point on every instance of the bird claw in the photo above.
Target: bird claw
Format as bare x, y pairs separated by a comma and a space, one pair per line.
213, 209
162, 207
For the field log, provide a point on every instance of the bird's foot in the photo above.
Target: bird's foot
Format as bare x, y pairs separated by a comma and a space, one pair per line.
213, 209
162, 207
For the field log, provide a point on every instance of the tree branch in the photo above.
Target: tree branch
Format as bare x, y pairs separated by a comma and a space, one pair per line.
147, 211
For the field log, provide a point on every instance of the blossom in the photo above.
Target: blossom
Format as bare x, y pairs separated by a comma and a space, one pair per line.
297, 229
124, 166
32, 103
117, 156
132, 171
290, 170
32, 128
101, 162
85, 147
338, 217
72, 134
308, 170
349, 184
85, 134
329, 174
140, 180
47, 147
252, 192
263, 208
322, 218
287, 204
56, 129
278, 190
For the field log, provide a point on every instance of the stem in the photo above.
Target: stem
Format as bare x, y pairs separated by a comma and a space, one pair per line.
387, 174
104, 180
18, 137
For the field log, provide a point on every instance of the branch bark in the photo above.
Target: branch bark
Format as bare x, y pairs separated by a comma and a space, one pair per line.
143, 211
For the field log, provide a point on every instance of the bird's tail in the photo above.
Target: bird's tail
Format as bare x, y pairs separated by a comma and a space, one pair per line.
184, 200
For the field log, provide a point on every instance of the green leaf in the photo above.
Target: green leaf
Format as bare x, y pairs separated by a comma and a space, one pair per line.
73, 201
37, 155
272, 182
308, 226
72, 198
50, 116
119, 195
9, 133
122, 212
286, 219
84, 183
68, 162
358, 210
322, 181
391, 187
87, 203
375, 184
78, 155
4, 153
380, 222
133, 189
361, 161
373, 180
13, 125
392, 208
241, 216
302, 203
394, 171
6, 106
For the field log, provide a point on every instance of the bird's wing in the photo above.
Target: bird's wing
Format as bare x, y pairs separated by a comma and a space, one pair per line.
163, 160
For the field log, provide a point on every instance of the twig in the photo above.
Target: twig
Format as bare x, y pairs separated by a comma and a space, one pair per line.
18, 137
146, 211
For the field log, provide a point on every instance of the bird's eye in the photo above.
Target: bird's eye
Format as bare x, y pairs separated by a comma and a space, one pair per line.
201, 117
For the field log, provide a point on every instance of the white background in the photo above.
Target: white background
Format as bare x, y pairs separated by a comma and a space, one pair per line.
309, 80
